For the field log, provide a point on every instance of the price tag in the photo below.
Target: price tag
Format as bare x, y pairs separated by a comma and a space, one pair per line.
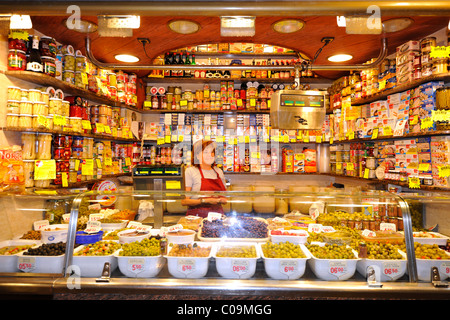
114, 132
26, 264
93, 226
391, 269
108, 161
314, 213
424, 166
84, 78
426, 123
444, 171
387, 131
399, 128
351, 135
77, 164
375, 133
87, 169
186, 266
64, 180
66, 217
366, 173
100, 127
369, 233
387, 227
44, 169
136, 265
327, 229
288, 267
99, 163
41, 224
440, 52
173, 185
445, 268
95, 216
314, 227
107, 129
240, 266
127, 161
59, 120
338, 269
350, 166
382, 85
86, 124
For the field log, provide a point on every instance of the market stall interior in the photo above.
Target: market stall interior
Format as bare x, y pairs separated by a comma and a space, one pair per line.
329, 120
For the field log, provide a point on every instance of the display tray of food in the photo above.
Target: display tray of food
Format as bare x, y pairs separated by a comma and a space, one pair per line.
429, 256
299, 221
332, 262
190, 222
428, 237
292, 236
238, 229
236, 260
189, 260
109, 224
393, 237
10, 249
91, 258
387, 258
44, 258
284, 260
141, 259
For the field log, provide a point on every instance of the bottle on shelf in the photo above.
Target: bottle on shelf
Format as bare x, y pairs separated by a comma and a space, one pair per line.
34, 62
187, 61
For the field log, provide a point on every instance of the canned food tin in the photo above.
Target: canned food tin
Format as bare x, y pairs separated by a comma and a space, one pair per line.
427, 43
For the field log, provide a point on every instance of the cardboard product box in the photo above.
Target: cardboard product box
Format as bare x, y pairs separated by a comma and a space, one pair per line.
415, 128
408, 46
386, 123
405, 68
415, 103
247, 48
441, 158
429, 104
377, 107
223, 47
405, 78
405, 57
440, 144
235, 47
428, 90
423, 144
299, 162
441, 182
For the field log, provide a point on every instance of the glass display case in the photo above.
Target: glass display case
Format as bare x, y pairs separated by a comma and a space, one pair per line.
321, 242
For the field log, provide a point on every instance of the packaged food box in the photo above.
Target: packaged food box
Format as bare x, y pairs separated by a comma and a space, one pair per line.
405, 57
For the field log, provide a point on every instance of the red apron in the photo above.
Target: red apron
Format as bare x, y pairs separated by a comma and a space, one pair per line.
207, 185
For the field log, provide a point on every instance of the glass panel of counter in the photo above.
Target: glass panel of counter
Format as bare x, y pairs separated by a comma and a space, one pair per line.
329, 234
34, 224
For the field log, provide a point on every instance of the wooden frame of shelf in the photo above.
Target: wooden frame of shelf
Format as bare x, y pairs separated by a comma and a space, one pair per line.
152, 111
218, 80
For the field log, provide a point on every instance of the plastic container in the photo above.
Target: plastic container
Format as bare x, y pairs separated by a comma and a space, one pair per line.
54, 233
430, 238
139, 266
41, 264
333, 269
86, 238
390, 269
180, 237
300, 237
285, 268
190, 267
424, 268
128, 236
92, 266
236, 268
8, 263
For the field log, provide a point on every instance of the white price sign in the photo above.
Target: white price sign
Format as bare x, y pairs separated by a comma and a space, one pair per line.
93, 227
387, 227
391, 269
240, 266
368, 233
26, 264
289, 267
327, 229
314, 227
41, 224
338, 268
136, 265
95, 216
445, 268
186, 266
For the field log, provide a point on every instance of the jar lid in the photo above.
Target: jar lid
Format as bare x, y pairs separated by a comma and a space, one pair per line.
53, 98
15, 50
12, 114
13, 101
26, 115
13, 87
48, 58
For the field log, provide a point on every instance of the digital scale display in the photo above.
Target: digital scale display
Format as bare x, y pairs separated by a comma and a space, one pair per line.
296, 100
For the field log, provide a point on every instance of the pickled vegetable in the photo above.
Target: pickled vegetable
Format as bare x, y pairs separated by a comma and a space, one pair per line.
282, 250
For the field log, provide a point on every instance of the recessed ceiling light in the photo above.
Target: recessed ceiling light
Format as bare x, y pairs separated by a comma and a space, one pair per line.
184, 26
340, 57
20, 22
288, 25
396, 24
126, 58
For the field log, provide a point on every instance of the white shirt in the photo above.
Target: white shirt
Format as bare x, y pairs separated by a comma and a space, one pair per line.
193, 178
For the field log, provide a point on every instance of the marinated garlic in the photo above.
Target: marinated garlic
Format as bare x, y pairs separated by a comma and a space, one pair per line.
55, 106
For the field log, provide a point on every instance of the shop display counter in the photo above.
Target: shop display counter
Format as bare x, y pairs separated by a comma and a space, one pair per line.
326, 244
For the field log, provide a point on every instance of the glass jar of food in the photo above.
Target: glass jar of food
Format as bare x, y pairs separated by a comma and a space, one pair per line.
40, 108
69, 62
12, 106
45, 97
47, 47
75, 123
73, 176
14, 93
17, 60
28, 173
17, 41
28, 146
25, 121
25, 107
23, 95
65, 108
68, 76
34, 95
55, 106
12, 120
44, 150
42, 183
50, 122
49, 66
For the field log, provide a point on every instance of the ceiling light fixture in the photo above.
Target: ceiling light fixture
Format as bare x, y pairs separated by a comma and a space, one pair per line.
237, 26
184, 26
117, 26
341, 21
288, 25
20, 22
397, 24
126, 58
340, 57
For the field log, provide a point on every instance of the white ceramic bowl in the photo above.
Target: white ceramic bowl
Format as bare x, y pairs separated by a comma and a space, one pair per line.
333, 269
236, 268
139, 267
190, 267
127, 237
183, 236
92, 266
300, 237
8, 263
390, 270
53, 235
285, 268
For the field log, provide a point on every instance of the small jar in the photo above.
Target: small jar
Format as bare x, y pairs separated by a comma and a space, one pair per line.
28, 173
358, 224
76, 124
362, 250
23, 95
73, 176
55, 106
28, 146
14, 93
13, 106
17, 60
68, 76
42, 183
50, 122
45, 97
12, 120
16, 43
26, 107
69, 62
47, 47
25, 121
40, 108
49, 66
44, 151
65, 108
34, 95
